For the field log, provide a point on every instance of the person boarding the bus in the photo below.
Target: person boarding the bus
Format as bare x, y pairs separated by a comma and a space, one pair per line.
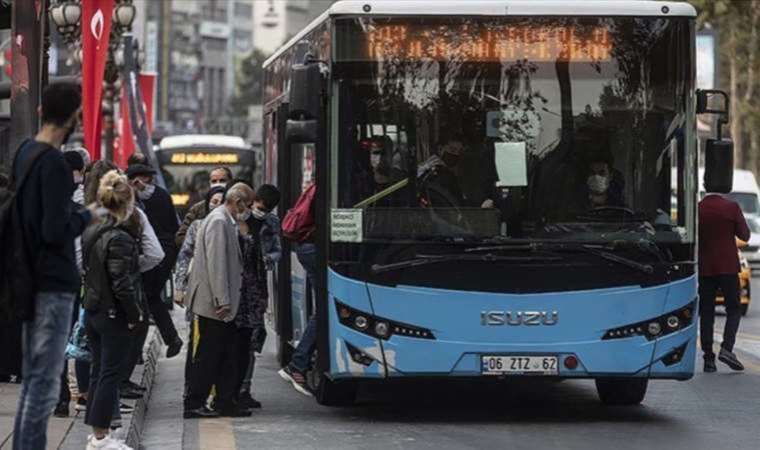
219, 177
214, 298
720, 222
157, 205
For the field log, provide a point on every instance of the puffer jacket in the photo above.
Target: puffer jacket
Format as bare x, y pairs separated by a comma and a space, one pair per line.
112, 273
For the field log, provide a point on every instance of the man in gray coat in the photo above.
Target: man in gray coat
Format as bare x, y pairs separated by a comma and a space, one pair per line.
214, 297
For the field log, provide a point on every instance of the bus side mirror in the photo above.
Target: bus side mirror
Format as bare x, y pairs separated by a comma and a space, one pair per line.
305, 102
719, 166
719, 152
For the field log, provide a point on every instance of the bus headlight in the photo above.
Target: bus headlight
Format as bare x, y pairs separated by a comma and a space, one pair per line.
657, 327
361, 322
377, 326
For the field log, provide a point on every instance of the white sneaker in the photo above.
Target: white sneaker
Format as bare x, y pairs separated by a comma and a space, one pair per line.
107, 443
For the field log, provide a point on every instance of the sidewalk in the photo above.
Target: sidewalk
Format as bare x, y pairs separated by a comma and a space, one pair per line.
57, 428
71, 433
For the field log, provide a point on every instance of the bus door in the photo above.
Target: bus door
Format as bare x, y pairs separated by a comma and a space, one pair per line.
302, 298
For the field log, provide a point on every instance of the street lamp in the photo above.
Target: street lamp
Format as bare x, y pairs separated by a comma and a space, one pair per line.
66, 14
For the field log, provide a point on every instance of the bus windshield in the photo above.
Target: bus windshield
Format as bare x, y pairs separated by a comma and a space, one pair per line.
515, 128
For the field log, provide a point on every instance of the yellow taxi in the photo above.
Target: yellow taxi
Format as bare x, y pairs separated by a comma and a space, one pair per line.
745, 282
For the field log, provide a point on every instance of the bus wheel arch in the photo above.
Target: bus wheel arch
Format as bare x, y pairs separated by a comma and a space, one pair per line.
335, 393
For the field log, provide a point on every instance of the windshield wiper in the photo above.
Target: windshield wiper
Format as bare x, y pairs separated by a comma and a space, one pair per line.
421, 260
597, 250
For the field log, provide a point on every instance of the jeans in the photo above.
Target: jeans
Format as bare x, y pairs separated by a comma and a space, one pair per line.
307, 256
108, 339
44, 343
708, 288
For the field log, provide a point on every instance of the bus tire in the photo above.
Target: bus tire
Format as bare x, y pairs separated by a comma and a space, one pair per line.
335, 393
621, 391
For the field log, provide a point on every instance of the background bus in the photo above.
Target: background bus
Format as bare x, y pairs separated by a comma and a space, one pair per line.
548, 248
187, 160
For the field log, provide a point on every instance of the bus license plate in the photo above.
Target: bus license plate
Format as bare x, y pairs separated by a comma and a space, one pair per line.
520, 365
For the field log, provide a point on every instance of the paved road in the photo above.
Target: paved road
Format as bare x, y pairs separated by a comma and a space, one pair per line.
711, 411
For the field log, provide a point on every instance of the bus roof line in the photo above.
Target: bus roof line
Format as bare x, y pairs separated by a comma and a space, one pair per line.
492, 8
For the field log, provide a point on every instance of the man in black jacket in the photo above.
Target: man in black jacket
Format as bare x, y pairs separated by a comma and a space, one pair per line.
157, 204
49, 226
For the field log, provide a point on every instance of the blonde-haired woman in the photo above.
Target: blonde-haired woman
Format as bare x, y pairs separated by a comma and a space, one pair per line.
112, 301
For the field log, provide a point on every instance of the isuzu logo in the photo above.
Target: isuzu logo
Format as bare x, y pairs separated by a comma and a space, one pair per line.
516, 318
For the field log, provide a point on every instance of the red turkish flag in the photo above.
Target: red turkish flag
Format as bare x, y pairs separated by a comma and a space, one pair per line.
127, 143
147, 82
96, 30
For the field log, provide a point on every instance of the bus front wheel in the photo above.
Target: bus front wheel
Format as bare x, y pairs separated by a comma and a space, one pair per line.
332, 393
621, 391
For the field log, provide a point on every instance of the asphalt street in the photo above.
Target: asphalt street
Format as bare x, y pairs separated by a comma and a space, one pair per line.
710, 411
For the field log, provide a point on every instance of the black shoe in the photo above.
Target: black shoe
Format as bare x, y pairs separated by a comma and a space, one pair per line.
710, 364
130, 394
200, 413
174, 348
61, 410
248, 402
729, 358
297, 378
236, 412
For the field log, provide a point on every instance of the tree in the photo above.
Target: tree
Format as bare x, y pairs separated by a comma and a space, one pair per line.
250, 83
737, 24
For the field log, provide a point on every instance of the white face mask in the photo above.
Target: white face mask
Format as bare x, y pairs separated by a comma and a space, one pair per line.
374, 160
243, 217
598, 184
147, 192
213, 185
78, 178
258, 213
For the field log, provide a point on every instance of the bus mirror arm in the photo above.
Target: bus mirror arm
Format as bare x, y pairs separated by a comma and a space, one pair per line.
703, 97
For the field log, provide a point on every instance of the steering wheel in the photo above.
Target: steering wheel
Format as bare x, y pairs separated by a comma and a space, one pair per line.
611, 209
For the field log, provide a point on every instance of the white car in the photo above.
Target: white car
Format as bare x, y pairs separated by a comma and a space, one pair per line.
752, 250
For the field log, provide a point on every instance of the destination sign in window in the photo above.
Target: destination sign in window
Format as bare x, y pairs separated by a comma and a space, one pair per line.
205, 158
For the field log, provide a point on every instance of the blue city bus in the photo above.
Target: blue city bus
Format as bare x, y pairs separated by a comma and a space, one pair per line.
494, 194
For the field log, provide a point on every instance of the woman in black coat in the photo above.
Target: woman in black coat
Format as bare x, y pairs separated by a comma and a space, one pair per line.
112, 300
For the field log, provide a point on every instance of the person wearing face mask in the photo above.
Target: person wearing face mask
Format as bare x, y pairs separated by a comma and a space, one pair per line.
214, 199
382, 173
440, 175
157, 205
214, 298
603, 185
49, 224
219, 177
260, 242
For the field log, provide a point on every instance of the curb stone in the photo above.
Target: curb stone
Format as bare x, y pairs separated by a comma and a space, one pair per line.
134, 423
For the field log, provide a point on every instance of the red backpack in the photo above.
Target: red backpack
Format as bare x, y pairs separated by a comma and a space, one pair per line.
298, 224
